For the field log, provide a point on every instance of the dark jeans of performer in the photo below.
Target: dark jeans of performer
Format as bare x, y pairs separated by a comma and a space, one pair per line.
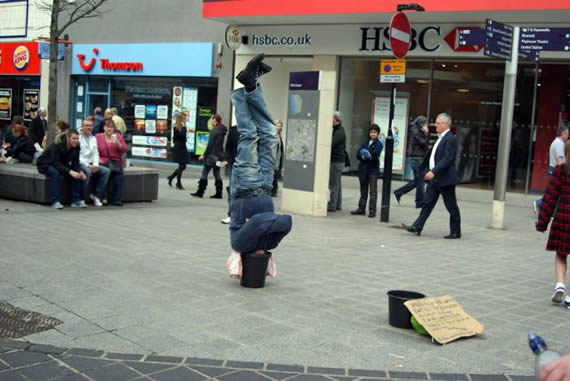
54, 195
430, 199
335, 186
206, 172
370, 181
417, 182
262, 231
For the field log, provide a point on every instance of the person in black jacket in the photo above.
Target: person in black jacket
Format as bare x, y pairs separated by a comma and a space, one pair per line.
231, 152
338, 147
38, 127
180, 152
23, 149
61, 158
417, 149
213, 155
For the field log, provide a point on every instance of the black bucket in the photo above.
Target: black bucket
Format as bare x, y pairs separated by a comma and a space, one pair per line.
398, 314
254, 269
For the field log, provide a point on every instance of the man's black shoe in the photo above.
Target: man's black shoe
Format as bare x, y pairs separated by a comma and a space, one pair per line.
453, 236
371, 214
397, 197
358, 212
412, 229
248, 76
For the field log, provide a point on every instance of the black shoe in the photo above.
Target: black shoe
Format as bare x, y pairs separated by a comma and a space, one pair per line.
197, 194
179, 186
397, 197
358, 212
371, 214
248, 76
453, 236
216, 196
412, 229
170, 178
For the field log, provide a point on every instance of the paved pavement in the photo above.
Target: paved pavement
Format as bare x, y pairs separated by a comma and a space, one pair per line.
149, 279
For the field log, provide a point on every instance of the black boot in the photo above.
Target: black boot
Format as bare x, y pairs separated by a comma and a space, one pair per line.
255, 68
219, 189
358, 212
179, 186
202, 184
170, 178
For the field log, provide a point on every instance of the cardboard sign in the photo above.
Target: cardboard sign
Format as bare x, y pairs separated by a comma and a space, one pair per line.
443, 318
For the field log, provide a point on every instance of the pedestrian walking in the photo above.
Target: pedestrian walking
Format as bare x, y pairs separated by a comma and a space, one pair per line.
442, 178
180, 152
417, 148
338, 159
212, 158
556, 157
369, 171
557, 195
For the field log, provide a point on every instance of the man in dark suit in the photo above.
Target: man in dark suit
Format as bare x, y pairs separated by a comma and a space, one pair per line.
38, 127
442, 178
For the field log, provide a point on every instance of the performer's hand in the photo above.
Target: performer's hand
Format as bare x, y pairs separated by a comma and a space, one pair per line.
430, 175
201, 158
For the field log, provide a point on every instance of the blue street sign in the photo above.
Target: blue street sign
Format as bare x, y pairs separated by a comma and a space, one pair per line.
471, 37
545, 38
498, 40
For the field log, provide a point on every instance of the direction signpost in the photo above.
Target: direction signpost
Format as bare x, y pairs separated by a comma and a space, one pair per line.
400, 40
498, 40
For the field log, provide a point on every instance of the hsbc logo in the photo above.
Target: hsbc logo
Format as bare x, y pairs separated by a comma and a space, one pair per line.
373, 39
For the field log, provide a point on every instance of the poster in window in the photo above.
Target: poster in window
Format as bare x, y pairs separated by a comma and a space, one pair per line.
151, 111
139, 125
380, 115
185, 98
162, 112
140, 112
202, 138
31, 103
6, 104
161, 126
150, 126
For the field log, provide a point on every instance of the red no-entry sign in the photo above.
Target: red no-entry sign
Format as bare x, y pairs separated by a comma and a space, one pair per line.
400, 34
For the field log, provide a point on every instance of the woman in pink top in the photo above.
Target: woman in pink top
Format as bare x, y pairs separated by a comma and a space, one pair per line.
111, 147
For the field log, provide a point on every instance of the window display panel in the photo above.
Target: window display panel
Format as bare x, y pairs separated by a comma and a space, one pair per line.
18, 96
149, 105
360, 101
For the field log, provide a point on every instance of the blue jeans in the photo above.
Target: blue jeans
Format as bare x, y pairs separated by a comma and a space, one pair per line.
254, 225
103, 174
417, 182
255, 158
53, 176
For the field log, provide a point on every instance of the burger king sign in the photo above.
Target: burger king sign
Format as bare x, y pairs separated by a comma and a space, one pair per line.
21, 57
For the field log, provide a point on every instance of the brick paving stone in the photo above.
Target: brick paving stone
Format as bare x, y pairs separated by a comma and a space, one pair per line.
407, 375
322, 370
83, 364
522, 378
367, 373
178, 374
11, 375
23, 358
48, 349
201, 361
309, 377
448, 377
84, 352
148, 367
276, 375
45, 371
286, 368
73, 377
244, 364
111, 372
211, 371
244, 375
170, 359
123, 356
14, 344
488, 377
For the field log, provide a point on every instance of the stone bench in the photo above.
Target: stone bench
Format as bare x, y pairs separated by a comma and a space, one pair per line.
23, 182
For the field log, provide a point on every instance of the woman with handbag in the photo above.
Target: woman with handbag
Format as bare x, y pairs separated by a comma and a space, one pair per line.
213, 157
112, 146
180, 152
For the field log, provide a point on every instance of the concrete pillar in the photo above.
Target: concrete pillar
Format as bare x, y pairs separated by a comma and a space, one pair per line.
315, 203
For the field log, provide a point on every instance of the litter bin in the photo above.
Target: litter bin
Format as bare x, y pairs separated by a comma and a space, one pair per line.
398, 314
254, 269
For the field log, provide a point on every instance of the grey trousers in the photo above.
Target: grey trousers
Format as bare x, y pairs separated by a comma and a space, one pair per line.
335, 186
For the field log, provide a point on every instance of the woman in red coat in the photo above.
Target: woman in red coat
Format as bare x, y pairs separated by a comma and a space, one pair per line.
559, 239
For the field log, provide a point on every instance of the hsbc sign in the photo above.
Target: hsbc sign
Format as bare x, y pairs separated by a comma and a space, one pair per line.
377, 39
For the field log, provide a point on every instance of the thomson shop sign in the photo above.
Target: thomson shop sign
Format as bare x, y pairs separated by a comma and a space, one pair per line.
169, 59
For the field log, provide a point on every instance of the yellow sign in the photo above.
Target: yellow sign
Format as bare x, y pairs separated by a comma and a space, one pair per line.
391, 66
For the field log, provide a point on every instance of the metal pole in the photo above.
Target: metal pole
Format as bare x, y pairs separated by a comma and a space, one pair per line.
388, 156
532, 127
498, 217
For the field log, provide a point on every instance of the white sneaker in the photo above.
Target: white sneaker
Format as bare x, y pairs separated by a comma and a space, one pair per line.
226, 220
96, 201
57, 205
558, 295
79, 204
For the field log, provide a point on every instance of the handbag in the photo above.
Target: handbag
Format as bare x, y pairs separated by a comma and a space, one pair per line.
114, 165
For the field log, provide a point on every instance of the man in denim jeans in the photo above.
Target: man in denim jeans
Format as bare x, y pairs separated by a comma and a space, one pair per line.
556, 157
254, 225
